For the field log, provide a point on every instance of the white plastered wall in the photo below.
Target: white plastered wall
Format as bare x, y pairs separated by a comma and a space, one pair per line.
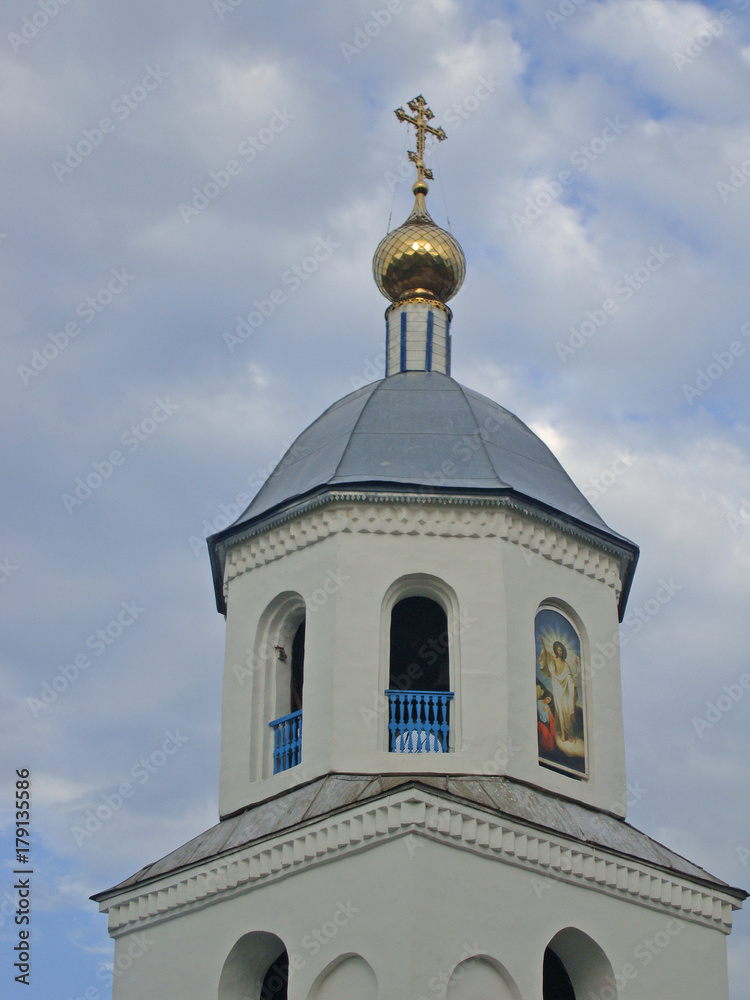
491, 589
413, 909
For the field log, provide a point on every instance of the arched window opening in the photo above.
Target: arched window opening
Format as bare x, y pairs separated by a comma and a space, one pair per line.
419, 677
287, 728
276, 979
556, 983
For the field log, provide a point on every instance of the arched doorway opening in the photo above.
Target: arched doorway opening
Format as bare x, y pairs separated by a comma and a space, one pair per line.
576, 967
276, 979
257, 968
556, 984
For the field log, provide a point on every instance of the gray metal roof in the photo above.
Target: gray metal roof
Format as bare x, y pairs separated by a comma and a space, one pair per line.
498, 794
422, 429
421, 432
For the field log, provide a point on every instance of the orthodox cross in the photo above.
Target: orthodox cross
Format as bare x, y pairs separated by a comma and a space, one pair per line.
423, 115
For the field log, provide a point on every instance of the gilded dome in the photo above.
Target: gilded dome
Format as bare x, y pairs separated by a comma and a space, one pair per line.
419, 258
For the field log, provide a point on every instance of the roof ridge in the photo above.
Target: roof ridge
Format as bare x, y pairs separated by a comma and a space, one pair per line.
479, 430
353, 431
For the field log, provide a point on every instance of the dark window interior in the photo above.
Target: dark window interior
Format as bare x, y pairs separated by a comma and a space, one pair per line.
298, 669
419, 646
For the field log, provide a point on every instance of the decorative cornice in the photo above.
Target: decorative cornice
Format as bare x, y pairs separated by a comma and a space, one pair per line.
426, 514
415, 811
419, 300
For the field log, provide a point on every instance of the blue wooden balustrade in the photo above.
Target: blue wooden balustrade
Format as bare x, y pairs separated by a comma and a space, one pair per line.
287, 741
419, 721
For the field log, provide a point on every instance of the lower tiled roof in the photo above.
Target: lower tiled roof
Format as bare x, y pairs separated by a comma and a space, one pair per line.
498, 795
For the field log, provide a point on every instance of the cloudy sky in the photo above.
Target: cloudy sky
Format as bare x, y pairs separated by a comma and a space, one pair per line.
166, 167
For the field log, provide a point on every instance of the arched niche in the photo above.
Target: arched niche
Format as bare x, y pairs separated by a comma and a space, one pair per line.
278, 667
420, 651
481, 978
348, 977
585, 965
255, 969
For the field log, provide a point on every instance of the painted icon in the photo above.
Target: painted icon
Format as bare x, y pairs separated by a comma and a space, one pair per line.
561, 726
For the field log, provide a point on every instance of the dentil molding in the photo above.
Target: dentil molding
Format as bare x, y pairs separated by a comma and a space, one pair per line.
422, 814
425, 515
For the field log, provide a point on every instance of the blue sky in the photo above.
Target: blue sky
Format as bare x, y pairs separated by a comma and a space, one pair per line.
147, 101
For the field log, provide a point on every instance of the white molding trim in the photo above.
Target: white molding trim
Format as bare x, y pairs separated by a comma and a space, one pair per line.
425, 515
414, 811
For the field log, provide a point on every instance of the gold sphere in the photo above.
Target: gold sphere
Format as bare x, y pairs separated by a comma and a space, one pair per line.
419, 259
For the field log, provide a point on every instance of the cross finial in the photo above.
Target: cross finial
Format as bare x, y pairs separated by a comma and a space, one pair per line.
422, 116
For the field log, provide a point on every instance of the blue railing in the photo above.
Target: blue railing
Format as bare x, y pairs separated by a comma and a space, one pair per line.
419, 721
287, 741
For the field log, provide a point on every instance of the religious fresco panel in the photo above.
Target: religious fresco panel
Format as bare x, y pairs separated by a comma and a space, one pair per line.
561, 725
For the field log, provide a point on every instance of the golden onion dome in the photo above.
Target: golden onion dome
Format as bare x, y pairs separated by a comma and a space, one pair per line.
419, 259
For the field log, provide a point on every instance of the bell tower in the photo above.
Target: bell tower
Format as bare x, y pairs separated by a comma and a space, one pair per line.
422, 787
